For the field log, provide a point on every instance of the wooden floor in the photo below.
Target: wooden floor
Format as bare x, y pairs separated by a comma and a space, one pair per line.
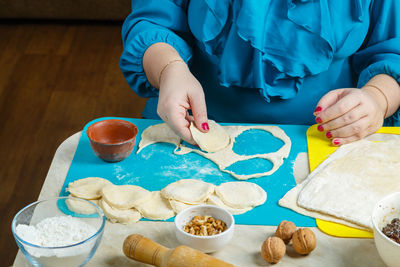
54, 78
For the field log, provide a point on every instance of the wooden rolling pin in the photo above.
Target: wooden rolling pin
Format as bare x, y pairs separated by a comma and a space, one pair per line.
142, 249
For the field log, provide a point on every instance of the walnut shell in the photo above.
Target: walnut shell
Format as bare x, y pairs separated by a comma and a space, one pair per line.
304, 241
273, 249
285, 231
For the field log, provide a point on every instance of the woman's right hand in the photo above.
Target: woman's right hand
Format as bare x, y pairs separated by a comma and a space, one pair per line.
179, 92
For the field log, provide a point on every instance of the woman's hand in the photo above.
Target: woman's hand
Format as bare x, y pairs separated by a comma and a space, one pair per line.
180, 91
349, 114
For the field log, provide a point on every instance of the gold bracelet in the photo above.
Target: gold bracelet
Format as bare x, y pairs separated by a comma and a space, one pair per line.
162, 70
380, 90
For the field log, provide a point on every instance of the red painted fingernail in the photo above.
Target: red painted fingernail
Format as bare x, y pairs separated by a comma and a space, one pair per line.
205, 126
329, 135
318, 109
320, 128
318, 119
336, 142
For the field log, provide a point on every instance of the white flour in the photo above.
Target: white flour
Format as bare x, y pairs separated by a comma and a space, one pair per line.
56, 232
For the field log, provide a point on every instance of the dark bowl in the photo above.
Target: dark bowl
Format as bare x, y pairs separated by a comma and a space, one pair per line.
112, 140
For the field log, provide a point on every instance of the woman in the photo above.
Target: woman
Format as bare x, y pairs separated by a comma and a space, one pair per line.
280, 62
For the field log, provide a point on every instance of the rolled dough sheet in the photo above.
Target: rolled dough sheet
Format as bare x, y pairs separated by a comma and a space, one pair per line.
301, 173
290, 201
349, 183
358, 176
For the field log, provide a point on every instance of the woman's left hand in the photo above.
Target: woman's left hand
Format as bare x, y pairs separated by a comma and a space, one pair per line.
349, 114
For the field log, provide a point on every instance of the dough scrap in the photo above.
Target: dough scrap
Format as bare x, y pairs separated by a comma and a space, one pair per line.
156, 208
216, 201
88, 188
225, 157
158, 133
241, 195
301, 168
127, 216
81, 206
188, 191
212, 141
124, 196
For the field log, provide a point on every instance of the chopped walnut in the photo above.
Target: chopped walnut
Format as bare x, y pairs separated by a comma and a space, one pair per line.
204, 226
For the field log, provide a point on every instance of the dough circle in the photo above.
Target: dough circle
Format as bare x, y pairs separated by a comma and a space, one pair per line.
213, 140
241, 195
124, 196
88, 188
122, 216
188, 191
178, 206
156, 207
216, 201
81, 206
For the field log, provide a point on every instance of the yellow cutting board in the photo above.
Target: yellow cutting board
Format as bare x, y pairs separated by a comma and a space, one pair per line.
319, 148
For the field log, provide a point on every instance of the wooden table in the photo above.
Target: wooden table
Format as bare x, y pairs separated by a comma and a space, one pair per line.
243, 250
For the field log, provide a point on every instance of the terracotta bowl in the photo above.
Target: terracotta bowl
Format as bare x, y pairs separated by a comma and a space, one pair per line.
112, 140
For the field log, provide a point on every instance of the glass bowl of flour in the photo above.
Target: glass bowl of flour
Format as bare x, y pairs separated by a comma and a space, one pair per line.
63, 231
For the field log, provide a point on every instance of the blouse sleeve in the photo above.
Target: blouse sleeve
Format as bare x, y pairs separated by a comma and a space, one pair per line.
152, 21
380, 53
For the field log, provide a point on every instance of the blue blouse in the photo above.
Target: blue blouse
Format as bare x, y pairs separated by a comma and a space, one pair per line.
266, 61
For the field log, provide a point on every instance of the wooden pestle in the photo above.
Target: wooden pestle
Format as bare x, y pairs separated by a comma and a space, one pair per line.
140, 248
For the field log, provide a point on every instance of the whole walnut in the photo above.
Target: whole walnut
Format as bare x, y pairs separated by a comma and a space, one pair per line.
285, 231
304, 241
273, 249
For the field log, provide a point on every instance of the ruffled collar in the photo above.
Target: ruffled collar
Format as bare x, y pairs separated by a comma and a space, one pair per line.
295, 39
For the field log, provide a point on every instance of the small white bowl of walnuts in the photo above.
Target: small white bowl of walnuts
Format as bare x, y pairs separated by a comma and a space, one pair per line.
207, 228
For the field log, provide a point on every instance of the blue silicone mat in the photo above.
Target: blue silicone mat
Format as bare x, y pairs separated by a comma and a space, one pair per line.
156, 166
